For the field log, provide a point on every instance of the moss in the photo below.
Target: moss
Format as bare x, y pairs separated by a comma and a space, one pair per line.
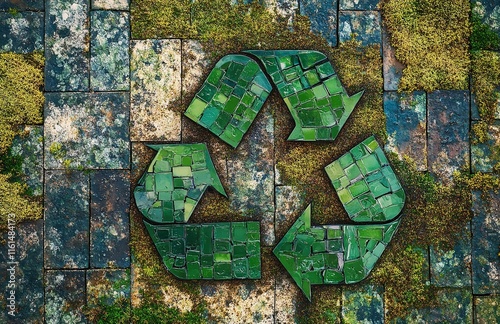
482, 37
431, 38
325, 306
485, 85
21, 98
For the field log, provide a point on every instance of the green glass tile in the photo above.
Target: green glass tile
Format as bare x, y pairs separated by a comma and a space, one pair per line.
222, 231
178, 183
336, 102
149, 182
249, 71
354, 271
323, 133
392, 211
310, 58
346, 160
239, 251
309, 134
352, 172
314, 277
239, 233
379, 249
234, 71
209, 116
178, 247
285, 62
306, 95
367, 200
334, 245
312, 77
334, 170
319, 91
253, 247
333, 277
207, 92
179, 262
222, 246
309, 117
374, 233
331, 261
253, 227
345, 196
222, 257
163, 182
162, 166
195, 109
333, 85
353, 207
319, 246
206, 240
179, 194
379, 187
358, 188
179, 205
222, 270
207, 260
215, 76
371, 163
240, 269
325, 70
333, 233
207, 273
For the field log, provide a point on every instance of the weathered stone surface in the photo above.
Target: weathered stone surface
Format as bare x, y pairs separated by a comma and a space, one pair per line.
486, 309
30, 147
475, 110
67, 46
111, 4
481, 153
489, 11
85, 130
22, 5
106, 286
109, 56
155, 90
194, 62
22, 32
452, 268
448, 132
28, 278
393, 69
66, 229
251, 175
286, 298
406, 125
323, 16
289, 206
358, 4
486, 243
365, 24
455, 306
284, 8
364, 304
109, 219
64, 296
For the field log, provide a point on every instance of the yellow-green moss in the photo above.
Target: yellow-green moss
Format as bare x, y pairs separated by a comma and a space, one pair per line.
21, 98
485, 75
431, 37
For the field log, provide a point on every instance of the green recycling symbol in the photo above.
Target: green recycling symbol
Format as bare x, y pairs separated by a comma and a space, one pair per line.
227, 104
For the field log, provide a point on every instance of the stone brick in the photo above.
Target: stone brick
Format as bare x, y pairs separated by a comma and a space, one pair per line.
486, 309
358, 4
107, 286
64, 296
22, 32
22, 5
365, 24
323, 16
365, 302
111, 4
482, 157
393, 69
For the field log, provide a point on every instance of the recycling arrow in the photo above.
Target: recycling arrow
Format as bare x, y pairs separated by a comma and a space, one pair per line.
167, 195
337, 254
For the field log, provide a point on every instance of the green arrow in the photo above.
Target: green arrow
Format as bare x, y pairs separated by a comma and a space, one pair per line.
216, 251
312, 91
175, 182
331, 254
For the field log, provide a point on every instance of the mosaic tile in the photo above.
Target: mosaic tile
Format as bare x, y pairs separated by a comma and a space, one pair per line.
312, 92
365, 24
484, 156
450, 268
331, 254
109, 55
209, 251
230, 98
155, 87
66, 220
22, 5
67, 45
486, 309
107, 286
22, 32
358, 4
406, 125
485, 244
29, 146
109, 219
364, 304
323, 17
448, 132
86, 130
111, 4
366, 184
393, 69
175, 182
64, 296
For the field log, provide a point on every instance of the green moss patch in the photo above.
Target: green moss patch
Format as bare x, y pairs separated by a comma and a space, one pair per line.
431, 37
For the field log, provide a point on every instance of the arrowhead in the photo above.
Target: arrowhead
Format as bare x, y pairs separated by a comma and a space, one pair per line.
283, 251
175, 182
349, 104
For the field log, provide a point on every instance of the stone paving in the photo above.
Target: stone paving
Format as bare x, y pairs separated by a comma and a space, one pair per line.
106, 93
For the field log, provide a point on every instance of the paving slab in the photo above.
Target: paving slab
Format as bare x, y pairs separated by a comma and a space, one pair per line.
486, 243
21, 32
489, 11
84, 130
155, 75
290, 203
393, 69
29, 146
286, 299
475, 110
323, 17
451, 268
284, 8
109, 55
107, 286
251, 175
65, 296
109, 219
406, 125
67, 220
194, 63
22, 5
111, 4
364, 304
448, 132
67, 45
358, 4
365, 24
482, 157
486, 309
